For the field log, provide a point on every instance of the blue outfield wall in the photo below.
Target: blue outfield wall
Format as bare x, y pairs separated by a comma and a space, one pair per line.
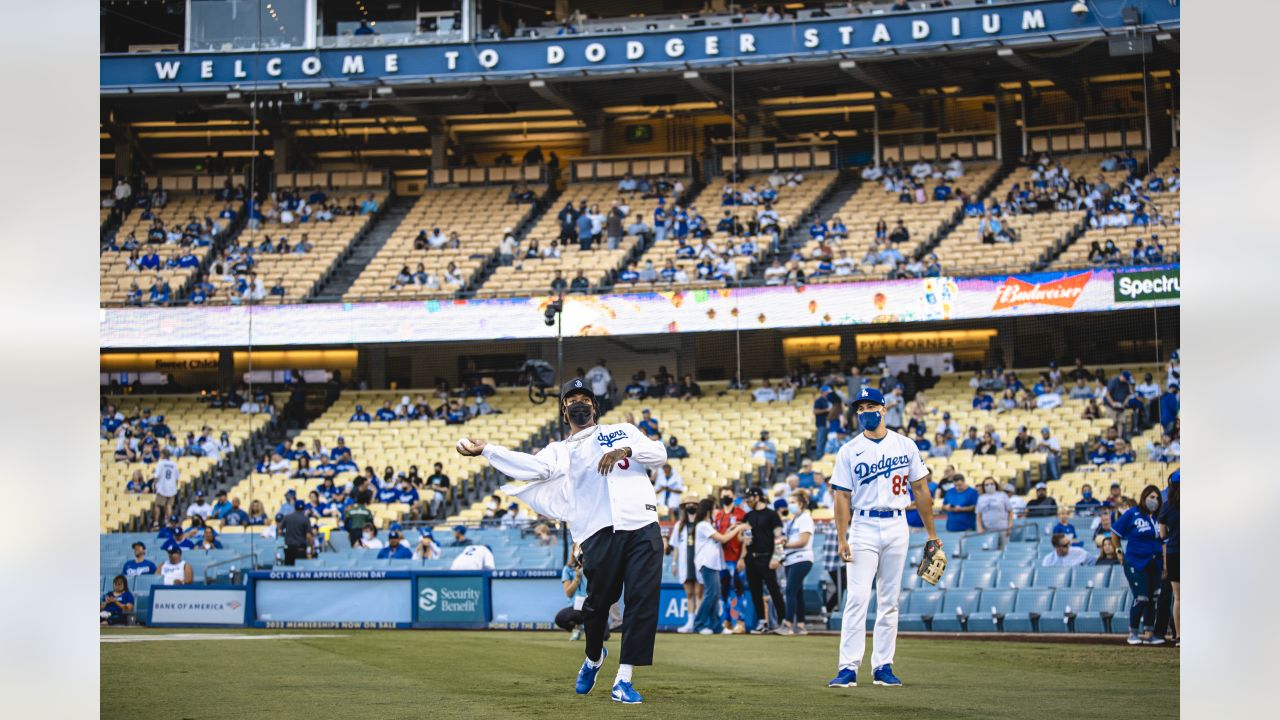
827, 39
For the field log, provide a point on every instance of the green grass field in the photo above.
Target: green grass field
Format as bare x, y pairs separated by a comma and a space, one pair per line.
438, 674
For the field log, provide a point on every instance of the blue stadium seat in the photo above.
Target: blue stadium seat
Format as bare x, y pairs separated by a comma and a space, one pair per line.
1091, 576
1017, 577
976, 577
950, 575
947, 620
981, 620
910, 580
1051, 577
1029, 605
1072, 600
1104, 605
983, 556
921, 606
1020, 555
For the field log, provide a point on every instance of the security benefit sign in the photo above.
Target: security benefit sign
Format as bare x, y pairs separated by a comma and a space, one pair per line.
1147, 285
452, 599
175, 605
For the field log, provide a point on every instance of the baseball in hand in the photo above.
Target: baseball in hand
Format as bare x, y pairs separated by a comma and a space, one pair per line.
469, 447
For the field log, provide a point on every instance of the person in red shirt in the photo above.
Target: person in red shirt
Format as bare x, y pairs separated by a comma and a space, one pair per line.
728, 513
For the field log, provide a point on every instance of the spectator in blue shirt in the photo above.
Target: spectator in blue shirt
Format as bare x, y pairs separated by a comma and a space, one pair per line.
408, 495
150, 261
394, 550
159, 291
1088, 504
369, 205
1064, 526
1169, 404
385, 413
221, 506
139, 565
1143, 551
922, 443
981, 400
117, 604
971, 440
821, 413
235, 515
649, 424
960, 503
913, 516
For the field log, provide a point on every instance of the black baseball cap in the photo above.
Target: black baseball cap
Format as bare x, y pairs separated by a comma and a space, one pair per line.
755, 491
574, 387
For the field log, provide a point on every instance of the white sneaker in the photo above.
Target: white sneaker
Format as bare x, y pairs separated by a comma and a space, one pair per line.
706, 631
686, 628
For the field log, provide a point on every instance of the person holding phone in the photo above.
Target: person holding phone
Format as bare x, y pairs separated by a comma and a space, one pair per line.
117, 604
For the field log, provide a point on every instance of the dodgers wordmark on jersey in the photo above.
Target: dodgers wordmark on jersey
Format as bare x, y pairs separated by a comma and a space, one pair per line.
878, 473
567, 485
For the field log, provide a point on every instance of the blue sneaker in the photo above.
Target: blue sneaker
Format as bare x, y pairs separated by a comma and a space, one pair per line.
848, 677
884, 676
587, 675
625, 694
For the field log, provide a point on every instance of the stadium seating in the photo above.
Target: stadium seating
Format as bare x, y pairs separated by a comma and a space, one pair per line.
183, 414
953, 394
871, 204
793, 203
399, 444
963, 252
533, 276
300, 273
1169, 232
480, 216
115, 277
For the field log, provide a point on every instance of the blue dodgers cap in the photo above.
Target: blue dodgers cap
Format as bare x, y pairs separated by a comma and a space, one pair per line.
279, 517
824, 389
1176, 477
395, 534
299, 505
139, 545
871, 395
460, 529
779, 504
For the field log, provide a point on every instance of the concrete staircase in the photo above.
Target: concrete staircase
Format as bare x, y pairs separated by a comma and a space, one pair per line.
363, 251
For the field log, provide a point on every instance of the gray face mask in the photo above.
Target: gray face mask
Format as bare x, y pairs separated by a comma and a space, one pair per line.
1152, 504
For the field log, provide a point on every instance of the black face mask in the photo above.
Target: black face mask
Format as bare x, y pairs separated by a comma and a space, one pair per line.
726, 501
691, 510
579, 414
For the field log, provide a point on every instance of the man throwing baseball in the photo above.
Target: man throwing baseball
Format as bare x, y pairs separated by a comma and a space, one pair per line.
597, 481
874, 476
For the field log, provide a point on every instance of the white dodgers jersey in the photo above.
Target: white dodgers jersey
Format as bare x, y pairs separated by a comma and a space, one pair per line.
878, 473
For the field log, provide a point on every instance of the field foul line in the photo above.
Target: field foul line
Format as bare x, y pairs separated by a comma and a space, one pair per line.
204, 636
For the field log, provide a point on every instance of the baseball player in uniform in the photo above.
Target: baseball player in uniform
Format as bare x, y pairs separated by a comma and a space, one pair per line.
597, 480
874, 475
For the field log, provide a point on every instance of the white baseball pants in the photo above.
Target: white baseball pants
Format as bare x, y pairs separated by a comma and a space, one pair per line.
879, 548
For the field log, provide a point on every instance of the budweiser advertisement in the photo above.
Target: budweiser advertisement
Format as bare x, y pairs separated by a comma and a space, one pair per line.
1061, 293
638, 310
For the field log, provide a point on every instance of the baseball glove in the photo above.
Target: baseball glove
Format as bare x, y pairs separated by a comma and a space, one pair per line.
933, 563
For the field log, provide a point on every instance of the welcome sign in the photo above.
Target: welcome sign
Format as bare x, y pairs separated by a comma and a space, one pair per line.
607, 53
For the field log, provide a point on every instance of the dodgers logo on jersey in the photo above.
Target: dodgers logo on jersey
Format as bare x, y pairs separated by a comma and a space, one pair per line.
611, 438
885, 466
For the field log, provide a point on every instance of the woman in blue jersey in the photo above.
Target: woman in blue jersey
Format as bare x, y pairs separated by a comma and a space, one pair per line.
1139, 527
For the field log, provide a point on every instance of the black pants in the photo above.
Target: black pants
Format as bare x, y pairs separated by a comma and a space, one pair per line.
614, 560
1164, 601
758, 572
294, 552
